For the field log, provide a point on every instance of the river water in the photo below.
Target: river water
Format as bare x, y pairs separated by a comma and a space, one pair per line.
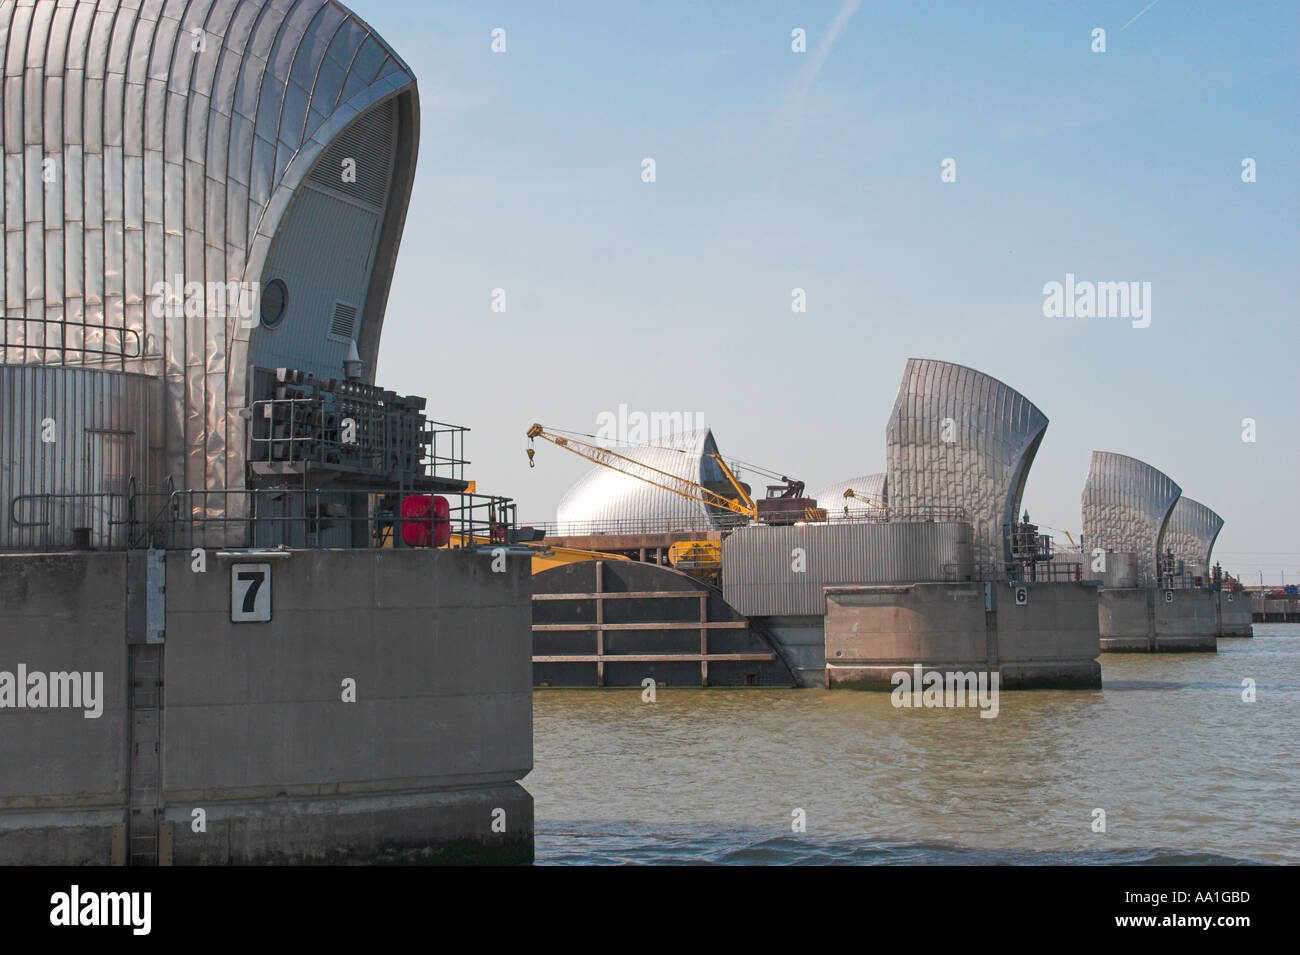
1183, 768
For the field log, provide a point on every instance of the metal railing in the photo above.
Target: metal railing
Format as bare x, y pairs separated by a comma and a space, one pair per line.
899, 515
79, 521
698, 524
355, 436
101, 349
1041, 572
726, 522
1183, 581
253, 517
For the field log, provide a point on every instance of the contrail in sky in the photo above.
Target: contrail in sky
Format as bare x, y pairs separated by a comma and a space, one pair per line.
1140, 12
823, 51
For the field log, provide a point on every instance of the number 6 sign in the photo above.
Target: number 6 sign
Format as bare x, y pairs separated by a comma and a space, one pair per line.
250, 593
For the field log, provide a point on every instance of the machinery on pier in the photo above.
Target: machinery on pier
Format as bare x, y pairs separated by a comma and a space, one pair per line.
1029, 549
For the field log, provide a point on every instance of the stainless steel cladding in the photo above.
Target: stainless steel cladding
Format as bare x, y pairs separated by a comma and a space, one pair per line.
147, 144
1113, 569
868, 487
960, 439
607, 498
776, 571
1190, 534
1126, 507
72, 440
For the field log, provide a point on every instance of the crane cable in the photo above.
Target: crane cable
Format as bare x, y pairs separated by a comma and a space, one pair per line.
661, 447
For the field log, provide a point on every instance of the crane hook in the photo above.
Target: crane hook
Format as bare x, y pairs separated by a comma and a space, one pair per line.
531, 462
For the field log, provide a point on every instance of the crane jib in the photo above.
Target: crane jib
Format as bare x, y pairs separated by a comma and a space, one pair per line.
644, 472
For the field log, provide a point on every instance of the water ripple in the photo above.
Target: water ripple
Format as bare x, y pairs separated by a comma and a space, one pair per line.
569, 843
1168, 749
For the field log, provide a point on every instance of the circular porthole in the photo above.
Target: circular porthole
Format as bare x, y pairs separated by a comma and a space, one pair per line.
275, 299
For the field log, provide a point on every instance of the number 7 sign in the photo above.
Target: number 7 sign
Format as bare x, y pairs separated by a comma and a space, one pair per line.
250, 593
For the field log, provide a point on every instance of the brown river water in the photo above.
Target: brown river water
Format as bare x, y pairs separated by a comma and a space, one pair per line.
1185, 771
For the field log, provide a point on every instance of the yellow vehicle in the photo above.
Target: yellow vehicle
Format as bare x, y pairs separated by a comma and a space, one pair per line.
544, 557
700, 558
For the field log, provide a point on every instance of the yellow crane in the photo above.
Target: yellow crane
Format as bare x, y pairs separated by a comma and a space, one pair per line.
849, 493
741, 503
1063, 531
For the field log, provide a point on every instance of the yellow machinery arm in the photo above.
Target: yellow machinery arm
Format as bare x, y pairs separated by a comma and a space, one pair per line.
1063, 531
849, 492
643, 472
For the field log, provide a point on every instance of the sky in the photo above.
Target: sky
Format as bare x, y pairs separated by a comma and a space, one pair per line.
823, 170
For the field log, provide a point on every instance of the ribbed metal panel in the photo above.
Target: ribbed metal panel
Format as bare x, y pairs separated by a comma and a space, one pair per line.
870, 487
759, 575
1117, 570
1190, 534
365, 151
603, 495
318, 276
74, 431
958, 438
1126, 507
178, 133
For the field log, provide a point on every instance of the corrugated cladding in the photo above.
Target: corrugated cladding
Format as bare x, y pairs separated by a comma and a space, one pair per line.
143, 141
319, 276
603, 496
758, 562
958, 438
76, 431
1191, 532
1126, 507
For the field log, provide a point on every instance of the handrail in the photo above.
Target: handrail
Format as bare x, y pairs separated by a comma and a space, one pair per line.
294, 516
126, 333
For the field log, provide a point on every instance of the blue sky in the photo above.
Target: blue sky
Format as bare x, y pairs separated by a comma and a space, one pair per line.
821, 170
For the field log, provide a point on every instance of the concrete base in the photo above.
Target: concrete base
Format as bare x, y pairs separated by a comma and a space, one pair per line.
452, 827
1063, 675
1202, 643
1146, 620
94, 837
1233, 614
802, 641
1266, 608
449, 827
382, 715
1049, 642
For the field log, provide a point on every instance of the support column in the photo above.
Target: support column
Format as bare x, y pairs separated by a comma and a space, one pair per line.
145, 633
600, 620
704, 640
1151, 620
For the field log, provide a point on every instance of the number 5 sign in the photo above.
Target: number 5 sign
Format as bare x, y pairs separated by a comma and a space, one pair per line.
250, 593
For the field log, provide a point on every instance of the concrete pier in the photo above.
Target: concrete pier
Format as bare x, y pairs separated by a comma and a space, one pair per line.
382, 715
1267, 608
1148, 620
1048, 641
1233, 614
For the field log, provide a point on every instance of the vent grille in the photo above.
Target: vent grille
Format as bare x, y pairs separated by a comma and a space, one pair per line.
344, 326
369, 143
